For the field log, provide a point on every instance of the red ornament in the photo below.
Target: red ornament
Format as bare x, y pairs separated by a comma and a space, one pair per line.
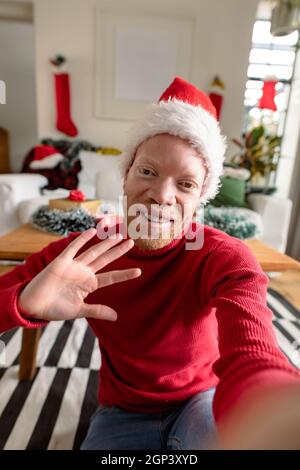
76, 195
267, 99
216, 94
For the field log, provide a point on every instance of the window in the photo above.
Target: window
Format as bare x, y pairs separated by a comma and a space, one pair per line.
269, 56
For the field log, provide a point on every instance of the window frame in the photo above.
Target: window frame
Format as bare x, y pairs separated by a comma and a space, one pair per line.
280, 127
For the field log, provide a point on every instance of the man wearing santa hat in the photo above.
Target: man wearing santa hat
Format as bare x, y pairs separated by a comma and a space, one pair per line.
187, 346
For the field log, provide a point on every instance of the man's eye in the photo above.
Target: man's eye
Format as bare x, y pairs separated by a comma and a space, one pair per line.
146, 172
187, 184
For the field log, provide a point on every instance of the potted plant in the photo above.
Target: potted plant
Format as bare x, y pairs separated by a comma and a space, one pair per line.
285, 17
259, 152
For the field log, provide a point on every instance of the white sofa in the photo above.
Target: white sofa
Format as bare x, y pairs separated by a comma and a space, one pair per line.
276, 215
21, 193
14, 190
20, 196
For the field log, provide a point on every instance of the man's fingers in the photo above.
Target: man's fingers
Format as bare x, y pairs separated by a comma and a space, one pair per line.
99, 312
112, 277
79, 242
109, 220
111, 255
92, 253
109, 225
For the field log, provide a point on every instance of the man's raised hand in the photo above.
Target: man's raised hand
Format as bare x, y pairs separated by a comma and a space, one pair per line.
58, 292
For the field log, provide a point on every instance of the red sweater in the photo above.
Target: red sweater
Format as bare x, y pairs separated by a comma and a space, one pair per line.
192, 320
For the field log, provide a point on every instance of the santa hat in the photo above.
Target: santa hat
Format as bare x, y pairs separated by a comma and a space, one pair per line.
183, 111
45, 157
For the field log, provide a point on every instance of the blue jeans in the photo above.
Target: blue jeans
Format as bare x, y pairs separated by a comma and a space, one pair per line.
190, 427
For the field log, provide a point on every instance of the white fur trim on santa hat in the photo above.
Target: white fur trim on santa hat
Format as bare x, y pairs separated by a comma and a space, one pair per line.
46, 163
192, 123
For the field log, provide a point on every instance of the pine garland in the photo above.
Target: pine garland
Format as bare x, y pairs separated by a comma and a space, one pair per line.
225, 219
62, 222
78, 220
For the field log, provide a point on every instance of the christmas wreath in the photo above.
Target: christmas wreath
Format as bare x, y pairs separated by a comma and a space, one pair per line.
230, 221
62, 222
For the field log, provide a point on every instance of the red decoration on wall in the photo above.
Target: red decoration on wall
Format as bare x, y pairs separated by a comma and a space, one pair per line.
64, 122
267, 100
217, 94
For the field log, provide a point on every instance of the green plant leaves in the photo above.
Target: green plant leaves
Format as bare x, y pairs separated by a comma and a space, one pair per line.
259, 151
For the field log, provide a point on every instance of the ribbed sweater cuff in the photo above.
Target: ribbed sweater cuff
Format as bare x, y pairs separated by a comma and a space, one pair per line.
21, 317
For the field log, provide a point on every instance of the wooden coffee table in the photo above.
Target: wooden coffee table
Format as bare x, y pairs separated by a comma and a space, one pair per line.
22, 242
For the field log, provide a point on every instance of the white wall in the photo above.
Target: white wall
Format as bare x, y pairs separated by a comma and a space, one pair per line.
17, 69
222, 45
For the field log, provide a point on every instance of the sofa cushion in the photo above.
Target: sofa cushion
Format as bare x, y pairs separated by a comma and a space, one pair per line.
14, 188
92, 163
238, 222
27, 207
109, 185
232, 193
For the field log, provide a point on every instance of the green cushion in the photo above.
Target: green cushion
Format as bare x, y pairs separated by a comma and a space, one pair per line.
232, 193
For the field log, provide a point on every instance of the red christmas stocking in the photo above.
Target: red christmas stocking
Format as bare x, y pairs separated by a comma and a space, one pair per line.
217, 94
269, 93
64, 121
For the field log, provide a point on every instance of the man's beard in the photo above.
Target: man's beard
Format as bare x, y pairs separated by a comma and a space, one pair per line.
152, 241
151, 232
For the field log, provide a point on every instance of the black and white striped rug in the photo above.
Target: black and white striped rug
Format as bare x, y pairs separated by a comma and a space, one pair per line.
53, 411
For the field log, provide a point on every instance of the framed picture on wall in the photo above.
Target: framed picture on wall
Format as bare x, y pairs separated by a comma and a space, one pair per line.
137, 55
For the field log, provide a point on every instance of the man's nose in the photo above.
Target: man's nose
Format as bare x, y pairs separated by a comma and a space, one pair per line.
163, 192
